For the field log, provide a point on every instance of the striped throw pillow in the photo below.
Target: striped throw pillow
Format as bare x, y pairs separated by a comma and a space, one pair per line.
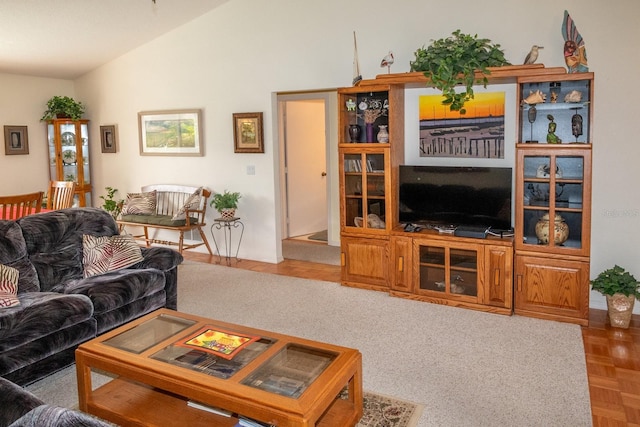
140, 203
101, 254
193, 202
8, 286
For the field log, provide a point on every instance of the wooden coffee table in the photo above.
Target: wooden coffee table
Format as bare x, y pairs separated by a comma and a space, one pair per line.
276, 379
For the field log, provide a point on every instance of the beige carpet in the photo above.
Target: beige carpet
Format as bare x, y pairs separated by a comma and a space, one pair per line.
467, 368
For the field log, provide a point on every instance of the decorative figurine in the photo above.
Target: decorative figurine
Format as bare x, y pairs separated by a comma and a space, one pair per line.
575, 54
576, 124
387, 61
552, 138
532, 56
554, 97
351, 105
532, 114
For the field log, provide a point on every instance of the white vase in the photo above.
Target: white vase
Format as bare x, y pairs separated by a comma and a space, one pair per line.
383, 134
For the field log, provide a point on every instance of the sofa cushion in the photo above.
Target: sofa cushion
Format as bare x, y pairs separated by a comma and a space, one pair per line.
101, 254
8, 286
140, 203
13, 253
39, 314
54, 241
192, 203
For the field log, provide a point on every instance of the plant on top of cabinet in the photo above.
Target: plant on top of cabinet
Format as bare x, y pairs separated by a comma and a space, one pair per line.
453, 61
63, 107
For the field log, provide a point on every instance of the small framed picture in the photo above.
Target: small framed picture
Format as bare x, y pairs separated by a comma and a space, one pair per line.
108, 139
248, 133
170, 133
16, 140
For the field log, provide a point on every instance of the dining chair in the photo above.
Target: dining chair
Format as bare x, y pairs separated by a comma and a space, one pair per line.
14, 207
61, 194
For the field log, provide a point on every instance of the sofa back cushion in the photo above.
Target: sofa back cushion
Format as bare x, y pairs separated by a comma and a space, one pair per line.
13, 253
54, 241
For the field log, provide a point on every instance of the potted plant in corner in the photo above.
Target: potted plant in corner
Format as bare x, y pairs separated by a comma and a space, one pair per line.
621, 290
110, 205
226, 203
59, 107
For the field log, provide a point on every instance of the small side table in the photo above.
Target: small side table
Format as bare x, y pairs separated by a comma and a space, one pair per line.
227, 225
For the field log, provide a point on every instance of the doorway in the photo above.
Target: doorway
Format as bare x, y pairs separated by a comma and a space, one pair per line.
308, 166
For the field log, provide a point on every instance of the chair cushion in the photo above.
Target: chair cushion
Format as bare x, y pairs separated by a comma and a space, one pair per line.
101, 254
8, 287
161, 220
140, 203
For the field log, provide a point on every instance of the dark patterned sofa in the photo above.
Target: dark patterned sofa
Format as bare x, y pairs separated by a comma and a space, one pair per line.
20, 408
59, 308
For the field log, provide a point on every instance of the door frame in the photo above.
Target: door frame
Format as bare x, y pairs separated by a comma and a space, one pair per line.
330, 98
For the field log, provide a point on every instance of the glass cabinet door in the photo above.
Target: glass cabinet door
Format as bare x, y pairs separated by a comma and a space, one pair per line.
448, 270
553, 196
365, 184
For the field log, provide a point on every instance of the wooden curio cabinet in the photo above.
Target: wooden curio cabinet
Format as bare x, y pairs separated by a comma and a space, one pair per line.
553, 198
369, 155
68, 142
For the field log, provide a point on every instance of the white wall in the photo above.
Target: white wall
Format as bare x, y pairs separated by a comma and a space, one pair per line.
234, 58
23, 101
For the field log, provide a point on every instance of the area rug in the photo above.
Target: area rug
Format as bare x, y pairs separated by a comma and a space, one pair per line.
310, 251
385, 411
320, 235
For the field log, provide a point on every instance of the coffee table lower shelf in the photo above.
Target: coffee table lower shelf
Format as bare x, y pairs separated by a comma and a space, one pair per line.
129, 403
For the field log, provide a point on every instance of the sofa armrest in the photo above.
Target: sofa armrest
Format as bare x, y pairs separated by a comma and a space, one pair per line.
15, 402
160, 258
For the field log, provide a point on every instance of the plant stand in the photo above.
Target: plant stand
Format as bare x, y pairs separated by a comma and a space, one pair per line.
620, 309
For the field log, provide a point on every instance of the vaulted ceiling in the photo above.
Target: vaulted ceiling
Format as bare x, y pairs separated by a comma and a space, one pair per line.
67, 38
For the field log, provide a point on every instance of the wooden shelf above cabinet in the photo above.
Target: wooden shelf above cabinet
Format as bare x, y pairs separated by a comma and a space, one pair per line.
505, 74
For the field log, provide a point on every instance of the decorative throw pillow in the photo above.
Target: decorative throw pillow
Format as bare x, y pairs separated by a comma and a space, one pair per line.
101, 254
140, 203
193, 202
8, 286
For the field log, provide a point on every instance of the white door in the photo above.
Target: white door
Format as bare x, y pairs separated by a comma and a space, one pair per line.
305, 165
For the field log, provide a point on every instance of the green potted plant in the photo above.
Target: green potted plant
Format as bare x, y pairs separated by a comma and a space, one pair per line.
226, 203
621, 290
453, 61
63, 107
110, 204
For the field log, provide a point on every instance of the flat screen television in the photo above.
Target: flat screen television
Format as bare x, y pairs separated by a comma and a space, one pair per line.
456, 195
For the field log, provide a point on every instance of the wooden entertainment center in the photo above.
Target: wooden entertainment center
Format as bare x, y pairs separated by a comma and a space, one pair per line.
541, 270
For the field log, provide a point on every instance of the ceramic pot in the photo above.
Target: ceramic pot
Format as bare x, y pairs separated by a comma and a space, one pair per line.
383, 134
354, 133
620, 308
560, 230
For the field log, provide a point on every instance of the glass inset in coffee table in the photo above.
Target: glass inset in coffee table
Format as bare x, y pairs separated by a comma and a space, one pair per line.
165, 360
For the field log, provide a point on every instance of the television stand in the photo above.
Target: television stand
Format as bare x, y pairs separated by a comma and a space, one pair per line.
453, 270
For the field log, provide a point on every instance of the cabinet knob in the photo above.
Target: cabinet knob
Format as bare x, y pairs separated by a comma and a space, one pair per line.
323, 174
401, 264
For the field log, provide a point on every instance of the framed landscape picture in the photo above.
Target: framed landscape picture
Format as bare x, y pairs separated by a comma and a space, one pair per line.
170, 133
248, 133
16, 140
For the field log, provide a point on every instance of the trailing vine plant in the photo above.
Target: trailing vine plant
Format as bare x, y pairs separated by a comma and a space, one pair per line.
453, 61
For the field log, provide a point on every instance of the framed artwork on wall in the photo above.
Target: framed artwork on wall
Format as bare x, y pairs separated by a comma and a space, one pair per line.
108, 139
170, 133
16, 140
248, 133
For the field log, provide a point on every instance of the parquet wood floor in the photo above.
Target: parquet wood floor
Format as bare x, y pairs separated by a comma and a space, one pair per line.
612, 354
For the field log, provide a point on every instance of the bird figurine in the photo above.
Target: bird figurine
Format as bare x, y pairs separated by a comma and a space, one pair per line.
575, 53
387, 61
533, 55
